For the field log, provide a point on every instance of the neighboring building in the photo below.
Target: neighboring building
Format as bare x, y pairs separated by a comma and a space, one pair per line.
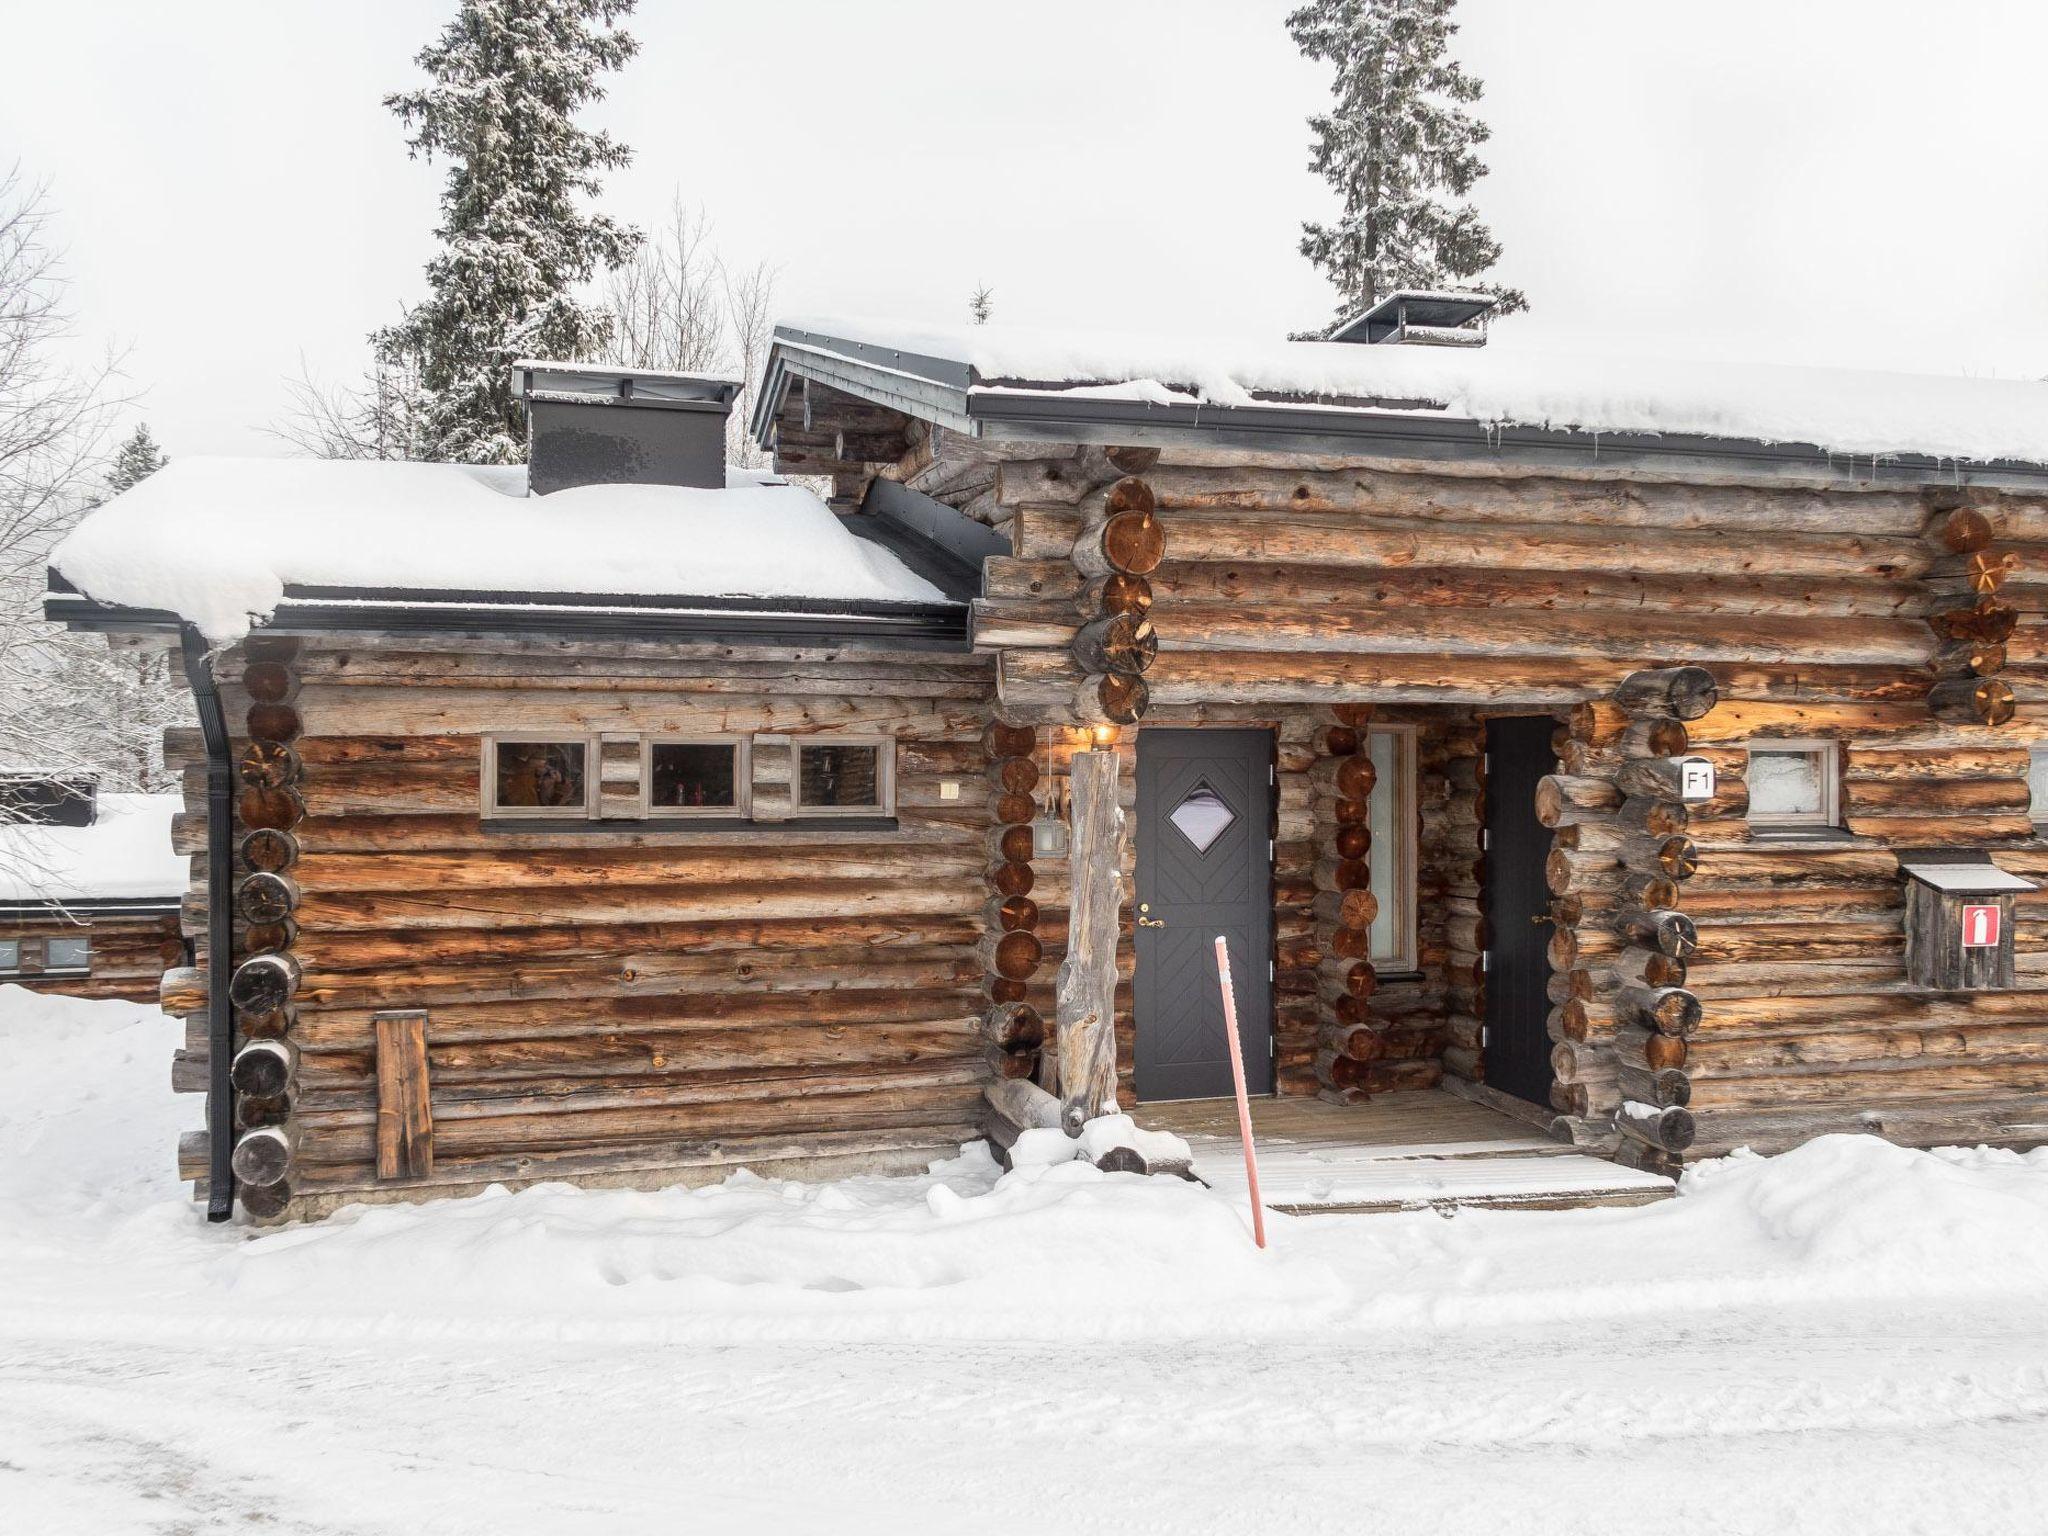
89, 888
1645, 746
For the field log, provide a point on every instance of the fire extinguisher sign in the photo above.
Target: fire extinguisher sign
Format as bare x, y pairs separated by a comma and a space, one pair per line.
1980, 927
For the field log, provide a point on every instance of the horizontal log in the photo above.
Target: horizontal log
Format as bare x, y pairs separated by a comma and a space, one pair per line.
1667, 1010
1667, 1127
1684, 693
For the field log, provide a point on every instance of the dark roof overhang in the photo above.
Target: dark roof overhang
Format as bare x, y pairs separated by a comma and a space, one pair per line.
952, 394
725, 621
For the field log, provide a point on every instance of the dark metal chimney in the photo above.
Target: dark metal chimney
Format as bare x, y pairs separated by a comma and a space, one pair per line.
591, 424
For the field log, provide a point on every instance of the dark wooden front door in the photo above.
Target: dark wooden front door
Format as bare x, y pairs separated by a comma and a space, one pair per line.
1205, 866
1518, 753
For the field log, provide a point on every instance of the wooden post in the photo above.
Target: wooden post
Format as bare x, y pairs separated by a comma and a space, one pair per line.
405, 1119
1086, 989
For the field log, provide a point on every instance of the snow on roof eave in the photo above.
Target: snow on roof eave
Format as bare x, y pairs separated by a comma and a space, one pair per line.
928, 370
1415, 429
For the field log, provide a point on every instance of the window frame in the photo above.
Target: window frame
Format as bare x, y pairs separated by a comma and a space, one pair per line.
81, 968
593, 768
885, 778
1829, 817
12, 967
1406, 850
742, 807
2037, 810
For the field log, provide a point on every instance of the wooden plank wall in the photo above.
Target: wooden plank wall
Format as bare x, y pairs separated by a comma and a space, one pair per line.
614, 1002
129, 955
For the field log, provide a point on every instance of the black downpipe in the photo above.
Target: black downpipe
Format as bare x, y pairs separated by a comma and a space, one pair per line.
220, 928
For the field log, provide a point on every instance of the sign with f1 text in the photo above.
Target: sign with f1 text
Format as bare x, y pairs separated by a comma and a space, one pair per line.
1980, 927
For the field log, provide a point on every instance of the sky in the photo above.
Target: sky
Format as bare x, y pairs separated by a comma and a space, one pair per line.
1854, 182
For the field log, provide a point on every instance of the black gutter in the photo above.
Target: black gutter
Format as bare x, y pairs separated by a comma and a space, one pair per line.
723, 621
220, 927
93, 906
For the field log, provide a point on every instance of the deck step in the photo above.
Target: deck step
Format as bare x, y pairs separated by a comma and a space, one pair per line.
1364, 1180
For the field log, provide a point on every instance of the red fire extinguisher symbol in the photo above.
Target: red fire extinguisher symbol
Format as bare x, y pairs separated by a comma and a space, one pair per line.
1980, 927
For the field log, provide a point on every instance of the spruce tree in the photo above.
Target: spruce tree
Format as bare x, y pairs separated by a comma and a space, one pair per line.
507, 78
134, 461
1399, 149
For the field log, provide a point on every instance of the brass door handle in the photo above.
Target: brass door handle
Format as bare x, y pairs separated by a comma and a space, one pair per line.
1151, 922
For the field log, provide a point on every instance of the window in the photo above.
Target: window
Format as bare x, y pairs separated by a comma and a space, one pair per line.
2037, 779
1794, 786
844, 777
540, 776
1390, 814
10, 955
704, 777
67, 954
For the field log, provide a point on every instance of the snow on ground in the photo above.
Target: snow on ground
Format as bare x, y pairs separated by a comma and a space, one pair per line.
1504, 383
217, 540
1847, 1337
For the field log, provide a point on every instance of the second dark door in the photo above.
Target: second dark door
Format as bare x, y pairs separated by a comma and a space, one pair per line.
1518, 754
1205, 867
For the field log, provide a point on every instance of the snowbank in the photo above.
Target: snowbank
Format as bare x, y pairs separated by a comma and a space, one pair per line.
1840, 410
125, 853
217, 540
104, 1240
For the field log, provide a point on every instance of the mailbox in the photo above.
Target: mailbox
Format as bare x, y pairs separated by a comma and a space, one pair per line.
1959, 920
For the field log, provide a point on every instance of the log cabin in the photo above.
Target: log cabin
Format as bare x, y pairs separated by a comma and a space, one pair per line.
89, 888
1648, 753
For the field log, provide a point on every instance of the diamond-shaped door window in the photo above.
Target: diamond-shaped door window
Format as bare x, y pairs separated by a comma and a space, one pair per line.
1202, 817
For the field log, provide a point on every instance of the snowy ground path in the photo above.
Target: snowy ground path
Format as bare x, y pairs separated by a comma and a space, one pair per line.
1850, 1338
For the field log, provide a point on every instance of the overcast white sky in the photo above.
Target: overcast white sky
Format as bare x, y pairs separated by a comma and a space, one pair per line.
1852, 181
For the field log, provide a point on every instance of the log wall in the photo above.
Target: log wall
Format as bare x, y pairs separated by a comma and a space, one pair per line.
129, 955
1902, 624
620, 1000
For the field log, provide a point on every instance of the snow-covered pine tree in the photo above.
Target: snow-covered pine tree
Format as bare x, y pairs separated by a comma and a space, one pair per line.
1399, 149
134, 461
508, 77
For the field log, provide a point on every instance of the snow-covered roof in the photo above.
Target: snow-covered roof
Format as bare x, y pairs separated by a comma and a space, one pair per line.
217, 540
1503, 384
124, 855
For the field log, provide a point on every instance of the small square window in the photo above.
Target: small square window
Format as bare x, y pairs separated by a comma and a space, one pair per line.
845, 778
67, 954
696, 778
1794, 785
541, 776
2037, 779
10, 955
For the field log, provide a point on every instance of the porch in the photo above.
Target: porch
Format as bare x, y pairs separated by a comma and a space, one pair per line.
1421, 1149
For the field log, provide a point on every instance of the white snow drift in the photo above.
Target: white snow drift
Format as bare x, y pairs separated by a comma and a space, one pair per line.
217, 540
125, 853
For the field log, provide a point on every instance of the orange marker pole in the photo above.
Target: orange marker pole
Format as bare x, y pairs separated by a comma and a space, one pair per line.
1244, 1102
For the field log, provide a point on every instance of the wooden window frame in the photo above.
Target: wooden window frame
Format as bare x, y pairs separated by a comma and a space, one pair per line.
82, 969
742, 807
12, 967
1829, 817
885, 779
1406, 851
593, 768
2037, 810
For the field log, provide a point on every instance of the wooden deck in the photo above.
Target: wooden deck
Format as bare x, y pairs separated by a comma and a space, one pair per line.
1428, 1150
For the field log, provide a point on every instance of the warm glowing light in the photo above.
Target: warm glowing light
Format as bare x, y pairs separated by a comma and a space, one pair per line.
1105, 735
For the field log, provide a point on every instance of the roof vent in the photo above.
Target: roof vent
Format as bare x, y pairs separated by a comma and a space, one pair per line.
1421, 319
588, 424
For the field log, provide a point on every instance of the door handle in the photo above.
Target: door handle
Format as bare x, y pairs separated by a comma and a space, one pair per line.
1151, 922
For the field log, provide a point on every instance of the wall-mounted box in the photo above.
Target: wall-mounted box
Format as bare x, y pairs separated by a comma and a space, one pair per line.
1959, 922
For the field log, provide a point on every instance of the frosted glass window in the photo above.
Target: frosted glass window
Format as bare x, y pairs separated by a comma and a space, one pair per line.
67, 954
1793, 784
1390, 814
2037, 779
1202, 817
